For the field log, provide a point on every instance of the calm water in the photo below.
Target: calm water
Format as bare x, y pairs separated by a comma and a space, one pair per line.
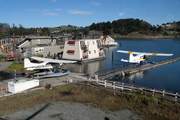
165, 77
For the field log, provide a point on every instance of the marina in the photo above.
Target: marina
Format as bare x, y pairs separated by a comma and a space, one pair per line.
162, 77
113, 69
130, 69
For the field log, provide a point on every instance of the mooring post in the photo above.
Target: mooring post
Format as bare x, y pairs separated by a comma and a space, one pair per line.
112, 55
153, 92
122, 86
175, 96
105, 83
114, 85
163, 93
81, 61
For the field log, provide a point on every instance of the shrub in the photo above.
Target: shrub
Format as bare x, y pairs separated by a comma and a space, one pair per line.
165, 34
48, 86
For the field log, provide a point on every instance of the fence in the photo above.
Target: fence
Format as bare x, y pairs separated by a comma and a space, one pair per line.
130, 87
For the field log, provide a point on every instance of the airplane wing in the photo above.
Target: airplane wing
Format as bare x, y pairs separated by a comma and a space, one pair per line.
153, 54
129, 52
52, 60
158, 54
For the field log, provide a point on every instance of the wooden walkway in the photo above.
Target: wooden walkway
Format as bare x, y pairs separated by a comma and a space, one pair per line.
130, 69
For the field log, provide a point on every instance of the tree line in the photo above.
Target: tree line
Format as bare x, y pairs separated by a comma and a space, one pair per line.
125, 26
121, 26
7, 31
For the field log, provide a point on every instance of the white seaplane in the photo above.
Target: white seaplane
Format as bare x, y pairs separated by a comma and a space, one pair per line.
46, 63
140, 56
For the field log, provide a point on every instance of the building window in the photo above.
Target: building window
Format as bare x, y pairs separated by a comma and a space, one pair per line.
28, 50
93, 43
36, 50
70, 53
94, 51
89, 52
41, 49
71, 44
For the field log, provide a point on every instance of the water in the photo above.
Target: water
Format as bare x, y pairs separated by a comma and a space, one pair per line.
165, 77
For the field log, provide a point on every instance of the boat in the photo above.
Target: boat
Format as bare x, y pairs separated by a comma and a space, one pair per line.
49, 73
18, 86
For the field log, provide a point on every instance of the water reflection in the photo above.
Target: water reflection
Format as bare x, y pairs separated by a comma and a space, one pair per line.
86, 67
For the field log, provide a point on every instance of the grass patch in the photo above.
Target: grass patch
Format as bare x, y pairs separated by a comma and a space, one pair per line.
149, 107
19, 68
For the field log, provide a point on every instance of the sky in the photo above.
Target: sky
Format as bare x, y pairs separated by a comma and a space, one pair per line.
82, 13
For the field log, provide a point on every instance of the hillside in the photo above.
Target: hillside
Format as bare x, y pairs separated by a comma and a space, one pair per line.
126, 28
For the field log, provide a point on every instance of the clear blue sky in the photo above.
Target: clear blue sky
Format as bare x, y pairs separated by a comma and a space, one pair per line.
53, 13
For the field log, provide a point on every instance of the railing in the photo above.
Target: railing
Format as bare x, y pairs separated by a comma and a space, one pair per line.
130, 87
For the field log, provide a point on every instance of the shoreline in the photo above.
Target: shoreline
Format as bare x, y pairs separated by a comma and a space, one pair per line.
144, 37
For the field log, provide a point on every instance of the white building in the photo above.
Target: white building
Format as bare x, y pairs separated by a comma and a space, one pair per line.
108, 41
83, 50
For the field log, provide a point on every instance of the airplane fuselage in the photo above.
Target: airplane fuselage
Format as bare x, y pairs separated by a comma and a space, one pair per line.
39, 67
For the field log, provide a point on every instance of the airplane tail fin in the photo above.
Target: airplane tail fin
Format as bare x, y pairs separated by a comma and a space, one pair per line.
131, 57
27, 62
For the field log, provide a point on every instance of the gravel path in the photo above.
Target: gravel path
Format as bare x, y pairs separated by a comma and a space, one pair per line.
71, 111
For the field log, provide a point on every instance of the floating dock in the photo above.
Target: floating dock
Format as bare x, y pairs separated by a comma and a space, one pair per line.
130, 69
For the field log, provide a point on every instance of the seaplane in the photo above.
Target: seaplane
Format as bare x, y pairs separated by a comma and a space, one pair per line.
140, 56
46, 63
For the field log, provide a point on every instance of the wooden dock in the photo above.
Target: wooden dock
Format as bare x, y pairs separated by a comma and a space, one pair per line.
130, 69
